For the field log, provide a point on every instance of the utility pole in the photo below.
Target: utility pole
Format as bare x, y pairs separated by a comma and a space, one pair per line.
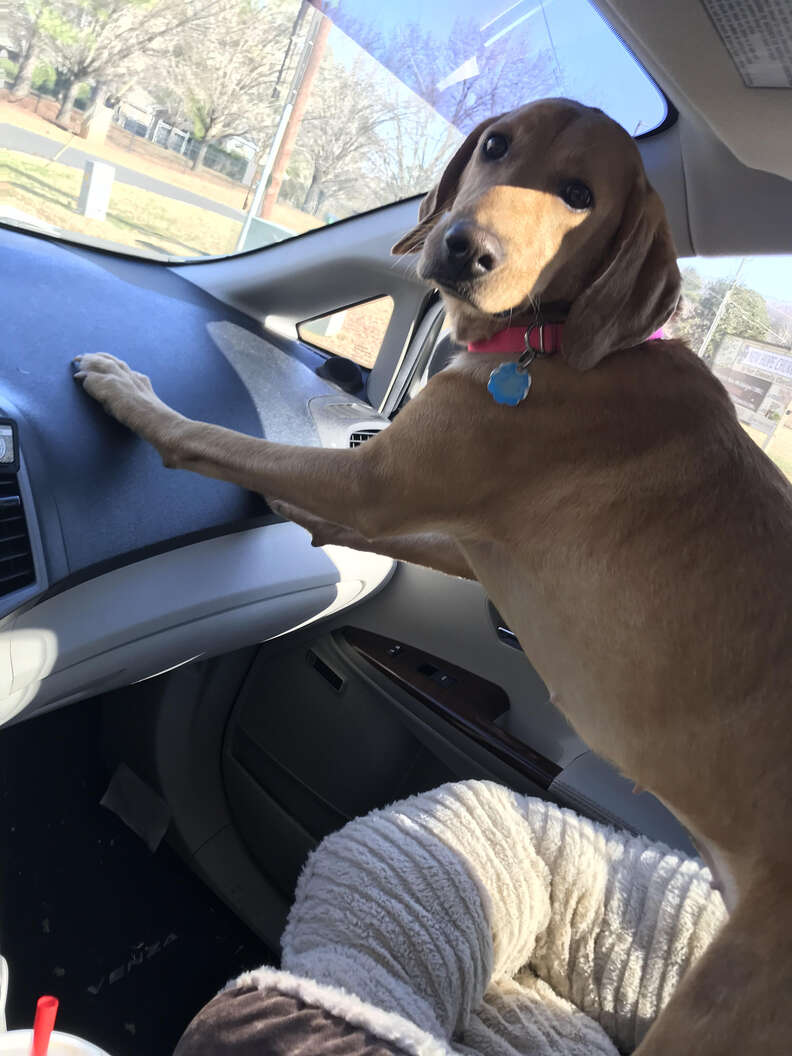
315, 46
721, 309
286, 113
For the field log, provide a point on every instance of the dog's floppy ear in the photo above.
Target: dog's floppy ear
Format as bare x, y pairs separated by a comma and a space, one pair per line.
441, 197
635, 292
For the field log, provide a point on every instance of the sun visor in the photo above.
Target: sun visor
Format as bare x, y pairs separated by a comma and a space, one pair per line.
759, 39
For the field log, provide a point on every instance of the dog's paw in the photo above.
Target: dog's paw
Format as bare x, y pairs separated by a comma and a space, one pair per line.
124, 393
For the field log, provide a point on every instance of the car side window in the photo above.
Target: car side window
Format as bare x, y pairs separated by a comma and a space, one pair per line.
736, 313
356, 333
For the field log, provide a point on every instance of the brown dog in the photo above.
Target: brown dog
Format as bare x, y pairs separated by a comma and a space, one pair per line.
635, 539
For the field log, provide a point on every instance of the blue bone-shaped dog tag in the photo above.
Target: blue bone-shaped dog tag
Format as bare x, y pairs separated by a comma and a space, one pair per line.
509, 384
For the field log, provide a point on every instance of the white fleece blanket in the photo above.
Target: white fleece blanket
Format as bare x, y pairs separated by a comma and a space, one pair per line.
475, 920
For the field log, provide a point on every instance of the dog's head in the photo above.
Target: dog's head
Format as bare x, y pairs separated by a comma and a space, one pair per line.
549, 204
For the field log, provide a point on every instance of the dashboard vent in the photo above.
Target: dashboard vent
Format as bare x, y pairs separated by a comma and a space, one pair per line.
360, 437
16, 557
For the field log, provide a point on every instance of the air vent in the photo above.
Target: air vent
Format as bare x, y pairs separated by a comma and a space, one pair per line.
16, 558
360, 437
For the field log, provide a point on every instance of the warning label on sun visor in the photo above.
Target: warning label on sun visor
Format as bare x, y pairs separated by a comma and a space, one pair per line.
758, 35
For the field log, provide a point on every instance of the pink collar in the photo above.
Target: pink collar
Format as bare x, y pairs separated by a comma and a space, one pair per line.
541, 337
544, 338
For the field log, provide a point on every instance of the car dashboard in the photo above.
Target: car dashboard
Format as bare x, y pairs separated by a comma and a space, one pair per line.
115, 568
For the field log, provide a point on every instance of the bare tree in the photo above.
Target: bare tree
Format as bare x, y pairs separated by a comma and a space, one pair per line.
399, 130
98, 41
415, 145
339, 132
225, 69
457, 74
24, 22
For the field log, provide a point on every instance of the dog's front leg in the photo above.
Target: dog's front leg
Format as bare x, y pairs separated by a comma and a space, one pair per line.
432, 550
372, 489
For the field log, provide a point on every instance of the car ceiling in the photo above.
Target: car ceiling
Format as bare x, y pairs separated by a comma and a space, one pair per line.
725, 168
679, 44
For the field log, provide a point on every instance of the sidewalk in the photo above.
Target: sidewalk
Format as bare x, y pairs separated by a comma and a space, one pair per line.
21, 139
204, 184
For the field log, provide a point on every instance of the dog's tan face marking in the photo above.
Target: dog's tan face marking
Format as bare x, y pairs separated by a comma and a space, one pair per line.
535, 244
501, 229
517, 198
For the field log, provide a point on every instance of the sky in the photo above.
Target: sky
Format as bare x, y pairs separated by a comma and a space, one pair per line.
770, 276
593, 64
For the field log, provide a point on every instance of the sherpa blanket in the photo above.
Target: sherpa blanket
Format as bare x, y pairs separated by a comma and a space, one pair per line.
475, 920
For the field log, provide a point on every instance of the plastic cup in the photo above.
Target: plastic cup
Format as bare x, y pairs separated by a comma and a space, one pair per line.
19, 1043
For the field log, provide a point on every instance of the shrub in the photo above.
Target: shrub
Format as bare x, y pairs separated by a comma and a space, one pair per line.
83, 97
8, 69
44, 78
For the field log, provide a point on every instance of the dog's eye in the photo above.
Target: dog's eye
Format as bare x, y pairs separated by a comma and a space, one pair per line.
495, 147
577, 195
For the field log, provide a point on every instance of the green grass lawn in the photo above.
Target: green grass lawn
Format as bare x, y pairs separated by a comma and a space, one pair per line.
779, 448
146, 221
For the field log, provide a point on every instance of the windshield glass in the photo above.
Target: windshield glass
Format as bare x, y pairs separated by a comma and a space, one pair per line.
192, 128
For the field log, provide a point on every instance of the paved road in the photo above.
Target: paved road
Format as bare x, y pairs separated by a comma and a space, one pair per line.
32, 143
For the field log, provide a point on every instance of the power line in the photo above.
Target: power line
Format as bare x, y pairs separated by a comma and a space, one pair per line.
721, 309
768, 329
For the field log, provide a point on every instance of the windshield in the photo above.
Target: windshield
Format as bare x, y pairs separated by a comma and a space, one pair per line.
193, 128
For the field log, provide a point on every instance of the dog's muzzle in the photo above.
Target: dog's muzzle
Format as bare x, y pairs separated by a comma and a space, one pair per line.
466, 253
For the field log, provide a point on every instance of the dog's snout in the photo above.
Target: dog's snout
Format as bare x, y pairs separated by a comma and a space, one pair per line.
471, 251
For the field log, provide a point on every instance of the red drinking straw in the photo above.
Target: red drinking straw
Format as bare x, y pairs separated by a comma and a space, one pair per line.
46, 1010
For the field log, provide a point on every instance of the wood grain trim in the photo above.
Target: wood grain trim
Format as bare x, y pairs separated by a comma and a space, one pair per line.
466, 701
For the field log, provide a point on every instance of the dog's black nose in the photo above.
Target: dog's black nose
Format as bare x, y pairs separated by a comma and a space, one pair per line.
471, 251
